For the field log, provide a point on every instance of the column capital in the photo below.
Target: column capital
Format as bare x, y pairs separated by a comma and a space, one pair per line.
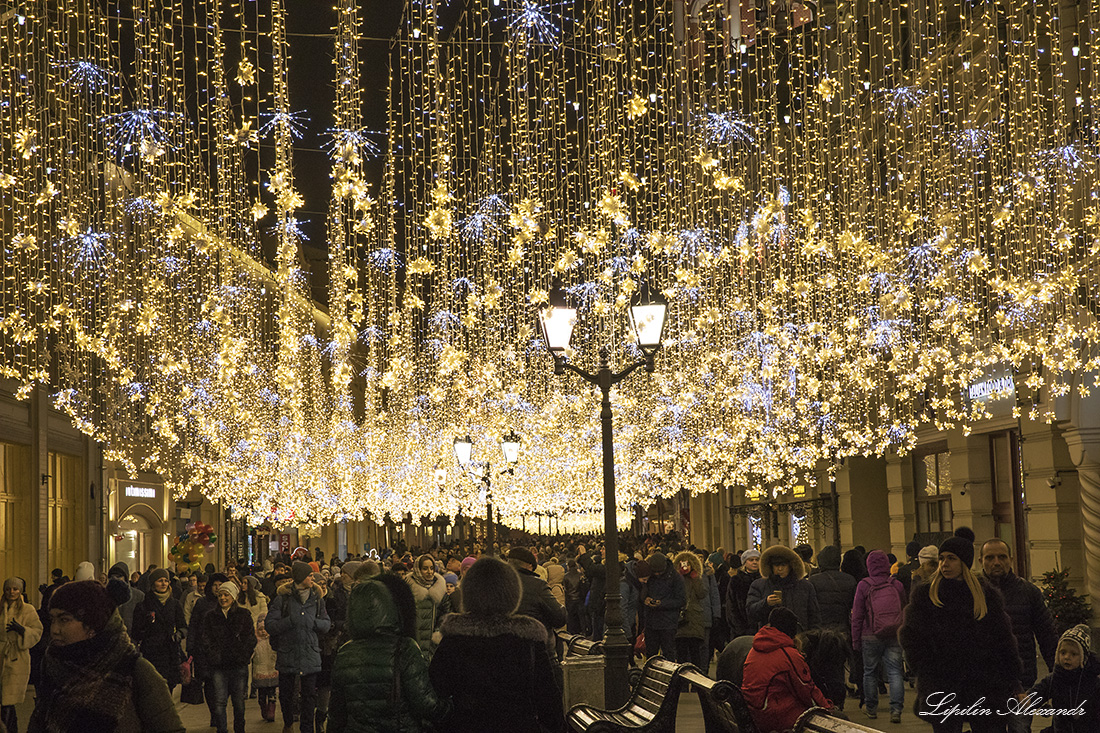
1084, 446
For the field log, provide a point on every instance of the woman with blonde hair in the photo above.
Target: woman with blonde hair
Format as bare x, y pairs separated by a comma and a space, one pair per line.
959, 642
20, 629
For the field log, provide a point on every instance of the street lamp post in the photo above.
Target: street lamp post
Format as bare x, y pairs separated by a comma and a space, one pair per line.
464, 447
647, 315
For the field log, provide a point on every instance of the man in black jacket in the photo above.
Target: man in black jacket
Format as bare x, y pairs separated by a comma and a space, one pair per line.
596, 572
912, 562
575, 589
1031, 619
536, 600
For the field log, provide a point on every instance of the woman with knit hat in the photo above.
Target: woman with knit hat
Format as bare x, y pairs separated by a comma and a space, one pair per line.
21, 629
228, 639
158, 626
959, 642
93, 679
1073, 685
494, 664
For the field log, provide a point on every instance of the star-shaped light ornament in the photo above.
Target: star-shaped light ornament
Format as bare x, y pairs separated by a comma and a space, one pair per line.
636, 107
246, 73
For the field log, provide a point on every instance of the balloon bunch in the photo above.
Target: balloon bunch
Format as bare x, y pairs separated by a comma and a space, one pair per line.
192, 545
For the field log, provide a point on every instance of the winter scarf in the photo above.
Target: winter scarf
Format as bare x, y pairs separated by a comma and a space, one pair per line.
89, 683
163, 597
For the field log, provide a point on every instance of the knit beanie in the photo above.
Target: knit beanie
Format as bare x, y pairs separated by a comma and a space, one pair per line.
491, 588
87, 601
1079, 635
750, 555
642, 569
13, 583
716, 559
84, 571
734, 561
120, 570
961, 547
929, 553
157, 575
467, 563
451, 578
784, 619
658, 562
229, 587
300, 571
912, 549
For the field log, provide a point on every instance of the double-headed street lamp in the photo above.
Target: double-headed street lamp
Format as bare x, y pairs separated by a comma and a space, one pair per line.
482, 472
648, 311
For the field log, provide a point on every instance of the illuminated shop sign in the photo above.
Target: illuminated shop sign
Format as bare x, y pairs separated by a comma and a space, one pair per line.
992, 389
140, 492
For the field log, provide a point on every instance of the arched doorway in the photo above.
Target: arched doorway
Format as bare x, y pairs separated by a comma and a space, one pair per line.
141, 535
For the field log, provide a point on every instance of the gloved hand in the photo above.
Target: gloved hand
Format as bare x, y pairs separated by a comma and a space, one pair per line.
15, 626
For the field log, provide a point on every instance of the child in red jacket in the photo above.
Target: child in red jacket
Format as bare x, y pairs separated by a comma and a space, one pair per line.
777, 684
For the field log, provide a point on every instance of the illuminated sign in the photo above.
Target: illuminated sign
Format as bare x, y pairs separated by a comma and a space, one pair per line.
141, 492
992, 389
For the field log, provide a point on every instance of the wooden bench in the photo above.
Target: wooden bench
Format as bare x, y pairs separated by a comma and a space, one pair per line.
652, 704
724, 710
820, 720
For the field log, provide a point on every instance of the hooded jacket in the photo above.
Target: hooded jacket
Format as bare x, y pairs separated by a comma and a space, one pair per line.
798, 594
432, 604
126, 609
878, 575
697, 606
380, 679
835, 590
295, 628
555, 579
776, 683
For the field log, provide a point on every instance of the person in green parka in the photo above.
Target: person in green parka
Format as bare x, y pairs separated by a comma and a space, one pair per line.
380, 678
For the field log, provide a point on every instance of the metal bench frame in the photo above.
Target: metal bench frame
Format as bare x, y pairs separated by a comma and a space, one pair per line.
652, 704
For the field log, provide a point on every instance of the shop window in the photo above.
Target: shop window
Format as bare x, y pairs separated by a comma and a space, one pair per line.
16, 493
67, 532
932, 482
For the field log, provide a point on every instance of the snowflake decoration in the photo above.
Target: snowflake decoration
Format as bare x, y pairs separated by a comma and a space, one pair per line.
900, 101
972, 141
728, 129
292, 123
538, 23
90, 249
85, 75
141, 130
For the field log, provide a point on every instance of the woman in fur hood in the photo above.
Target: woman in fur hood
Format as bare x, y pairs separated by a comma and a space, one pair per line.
782, 582
429, 588
690, 634
493, 664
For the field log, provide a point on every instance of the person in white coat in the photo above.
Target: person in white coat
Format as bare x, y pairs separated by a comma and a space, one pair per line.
21, 630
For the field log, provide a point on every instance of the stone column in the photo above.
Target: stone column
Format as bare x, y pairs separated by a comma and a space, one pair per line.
40, 510
1082, 436
971, 483
901, 501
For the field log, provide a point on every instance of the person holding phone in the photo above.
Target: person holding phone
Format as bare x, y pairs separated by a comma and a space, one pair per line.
782, 583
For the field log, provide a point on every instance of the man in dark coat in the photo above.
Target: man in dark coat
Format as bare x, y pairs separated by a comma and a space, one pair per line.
1030, 617
782, 583
835, 590
596, 572
574, 585
536, 600
296, 620
663, 597
912, 562
126, 609
737, 592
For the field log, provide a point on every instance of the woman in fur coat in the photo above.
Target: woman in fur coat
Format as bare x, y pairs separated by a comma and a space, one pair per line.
493, 664
20, 629
959, 642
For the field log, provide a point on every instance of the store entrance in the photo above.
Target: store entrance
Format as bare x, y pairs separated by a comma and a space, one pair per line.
138, 545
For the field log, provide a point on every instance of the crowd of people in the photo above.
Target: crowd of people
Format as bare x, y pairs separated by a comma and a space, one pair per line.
460, 639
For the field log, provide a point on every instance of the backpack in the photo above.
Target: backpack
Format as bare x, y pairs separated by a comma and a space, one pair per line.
884, 608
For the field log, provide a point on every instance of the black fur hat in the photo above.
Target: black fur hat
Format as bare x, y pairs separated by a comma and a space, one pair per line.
491, 588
